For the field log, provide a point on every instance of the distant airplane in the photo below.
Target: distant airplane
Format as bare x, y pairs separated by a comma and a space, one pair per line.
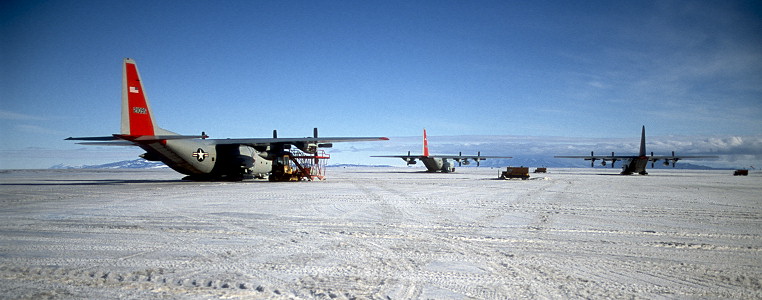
633, 164
440, 163
196, 155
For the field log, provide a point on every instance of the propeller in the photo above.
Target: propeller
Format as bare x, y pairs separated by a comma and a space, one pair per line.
275, 134
459, 154
479, 153
613, 160
323, 145
652, 159
592, 160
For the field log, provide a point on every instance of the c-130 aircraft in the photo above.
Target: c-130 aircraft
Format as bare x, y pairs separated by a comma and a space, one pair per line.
635, 164
440, 163
195, 155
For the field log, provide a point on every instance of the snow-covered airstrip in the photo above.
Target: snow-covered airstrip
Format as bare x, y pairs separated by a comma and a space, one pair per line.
381, 233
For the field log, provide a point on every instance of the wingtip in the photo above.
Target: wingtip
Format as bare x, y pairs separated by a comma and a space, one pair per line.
384, 138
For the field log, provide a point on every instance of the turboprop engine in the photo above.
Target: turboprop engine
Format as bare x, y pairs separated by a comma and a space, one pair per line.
311, 148
464, 161
410, 160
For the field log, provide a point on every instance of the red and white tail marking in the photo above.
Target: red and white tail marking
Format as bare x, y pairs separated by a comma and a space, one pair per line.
136, 112
425, 143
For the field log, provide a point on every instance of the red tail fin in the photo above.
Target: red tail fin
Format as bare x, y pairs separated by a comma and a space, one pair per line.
136, 112
425, 143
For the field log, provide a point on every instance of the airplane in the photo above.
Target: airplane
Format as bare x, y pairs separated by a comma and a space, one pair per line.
198, 156
635, 164
440, 163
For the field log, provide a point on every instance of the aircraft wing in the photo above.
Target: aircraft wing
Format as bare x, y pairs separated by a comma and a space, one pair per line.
482, 157
121, 140
114, 143
270, 141
681, 157
598, 157
124, 140
409, 159
94, 138
443, 156
461, 159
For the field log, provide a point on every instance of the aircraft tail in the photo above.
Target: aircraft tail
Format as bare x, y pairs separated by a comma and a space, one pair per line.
137, 119
643, 142
425, 143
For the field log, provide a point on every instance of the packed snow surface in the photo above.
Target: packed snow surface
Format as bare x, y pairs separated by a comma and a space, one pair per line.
381, 233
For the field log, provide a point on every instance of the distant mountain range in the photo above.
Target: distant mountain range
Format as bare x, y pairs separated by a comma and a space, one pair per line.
125, 164
493, 163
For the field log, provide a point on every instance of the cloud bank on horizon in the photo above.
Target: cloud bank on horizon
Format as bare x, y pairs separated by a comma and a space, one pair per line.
734, 151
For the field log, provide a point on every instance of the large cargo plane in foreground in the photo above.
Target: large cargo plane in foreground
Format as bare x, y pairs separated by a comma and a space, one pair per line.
196, 155
635, 164
440, 163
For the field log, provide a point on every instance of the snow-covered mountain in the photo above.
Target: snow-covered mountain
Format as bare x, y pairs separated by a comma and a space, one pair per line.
125, 164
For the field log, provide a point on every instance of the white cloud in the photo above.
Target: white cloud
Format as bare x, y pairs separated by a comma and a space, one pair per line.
34, 129
8, 115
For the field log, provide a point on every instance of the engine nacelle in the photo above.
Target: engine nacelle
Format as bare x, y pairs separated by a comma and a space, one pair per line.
466, 162
666, 163
603, 163
307, 147
411, 161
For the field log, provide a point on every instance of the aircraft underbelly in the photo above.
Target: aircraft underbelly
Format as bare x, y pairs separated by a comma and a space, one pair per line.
437, 164
184, 156
636, 165
432, 164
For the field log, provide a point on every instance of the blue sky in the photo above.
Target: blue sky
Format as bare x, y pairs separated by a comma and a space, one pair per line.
591, 69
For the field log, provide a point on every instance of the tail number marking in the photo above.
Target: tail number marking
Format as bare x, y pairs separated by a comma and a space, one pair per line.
140, 110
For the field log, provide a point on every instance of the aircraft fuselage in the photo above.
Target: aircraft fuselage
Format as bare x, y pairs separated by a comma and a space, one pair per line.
435, 164
198, 158
635, 165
